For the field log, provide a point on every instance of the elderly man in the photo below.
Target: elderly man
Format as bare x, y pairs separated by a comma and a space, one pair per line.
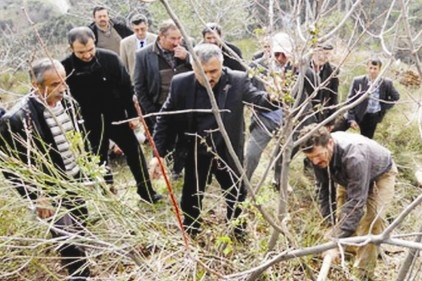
366, 174
42, 123
368, 113
100, 83
138, 40
197, 136
108, 33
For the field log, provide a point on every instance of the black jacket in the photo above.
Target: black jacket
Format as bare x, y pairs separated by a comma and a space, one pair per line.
102, 88
120, 28
25, 121
388, 96
147, 79
328, 95
236, 90
229, 60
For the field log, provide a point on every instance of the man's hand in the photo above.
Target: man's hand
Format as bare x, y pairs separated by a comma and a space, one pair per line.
354, 125
154, 169
180, 52
133, 124
333, 253
44, 208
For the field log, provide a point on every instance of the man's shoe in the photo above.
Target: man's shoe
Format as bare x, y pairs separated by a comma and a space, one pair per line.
154, 198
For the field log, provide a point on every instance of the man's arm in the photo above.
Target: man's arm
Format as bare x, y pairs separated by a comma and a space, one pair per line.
357, 170
353, 94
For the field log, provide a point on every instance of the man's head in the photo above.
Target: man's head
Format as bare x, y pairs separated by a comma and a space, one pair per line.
48, 78
169, 35
139, 25
101, 18
211, 60
322, 54
373, 68
319, 147
211, 33
282, 48
82, 43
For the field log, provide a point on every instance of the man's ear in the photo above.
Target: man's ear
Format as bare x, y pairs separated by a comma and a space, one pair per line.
330, 143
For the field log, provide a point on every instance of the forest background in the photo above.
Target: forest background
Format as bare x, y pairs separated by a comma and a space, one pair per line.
131, 241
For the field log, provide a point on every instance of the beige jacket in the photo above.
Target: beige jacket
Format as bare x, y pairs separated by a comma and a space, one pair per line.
128, 50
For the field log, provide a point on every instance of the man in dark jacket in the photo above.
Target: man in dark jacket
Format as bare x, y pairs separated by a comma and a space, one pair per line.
100, 83
108, 33
325, 76
155, 66
212, 34
370, 111
197, 134
365, 172
38, 132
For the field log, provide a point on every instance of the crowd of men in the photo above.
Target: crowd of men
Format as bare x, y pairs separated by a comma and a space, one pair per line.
110, 62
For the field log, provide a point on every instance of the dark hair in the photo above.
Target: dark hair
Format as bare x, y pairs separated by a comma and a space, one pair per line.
138, 18
210, 27
98, 8
81, 34
375, 61
320, 137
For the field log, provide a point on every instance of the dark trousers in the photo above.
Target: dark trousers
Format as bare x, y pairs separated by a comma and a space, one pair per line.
195, 180
124, 137
367, 125
73, 257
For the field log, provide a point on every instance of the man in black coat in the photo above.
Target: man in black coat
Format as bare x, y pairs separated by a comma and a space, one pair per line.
325, 76
39, 132
197, 134
212, 34
370, 111
100, 83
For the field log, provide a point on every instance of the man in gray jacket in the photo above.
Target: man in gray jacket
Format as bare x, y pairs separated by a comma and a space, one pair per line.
365, 172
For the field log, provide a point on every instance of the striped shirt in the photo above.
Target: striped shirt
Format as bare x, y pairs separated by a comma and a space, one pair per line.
60, 125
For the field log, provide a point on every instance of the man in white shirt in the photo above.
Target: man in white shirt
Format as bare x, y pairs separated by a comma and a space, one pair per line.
139, 39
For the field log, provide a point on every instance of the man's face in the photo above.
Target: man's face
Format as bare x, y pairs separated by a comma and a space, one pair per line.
102, 19
281, 58
170, 39
373, 71
213, 70
84, 52
211, 38
140, 30
321, 156
53, 87
321, 56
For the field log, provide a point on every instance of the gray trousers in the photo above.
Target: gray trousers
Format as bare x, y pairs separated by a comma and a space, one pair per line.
261, 132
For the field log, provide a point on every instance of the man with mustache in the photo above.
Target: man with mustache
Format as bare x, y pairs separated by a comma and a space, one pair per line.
42, 125
155, 66
365, 173
108, 33
198, 138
